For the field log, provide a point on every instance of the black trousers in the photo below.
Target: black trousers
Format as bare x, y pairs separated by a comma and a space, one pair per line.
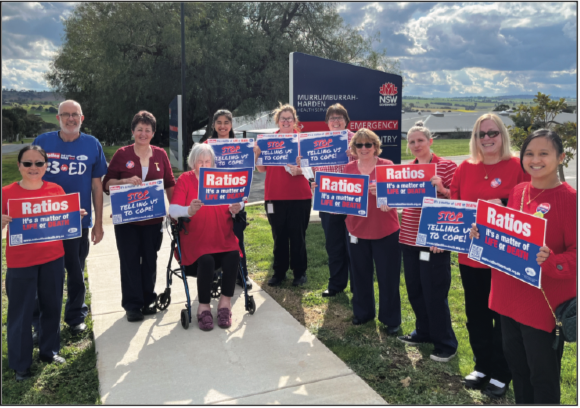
386, 254
138, 246
239, 227
22, 286
428, 285
207, 264
289, 223
534, 364
336, 235
483, 324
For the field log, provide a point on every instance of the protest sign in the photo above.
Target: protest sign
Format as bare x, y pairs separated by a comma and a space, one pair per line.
341, 193
445, 224
405, 185
44, 219
130, 203
277, 149
323, 148
224, 186
509, 241
233, 153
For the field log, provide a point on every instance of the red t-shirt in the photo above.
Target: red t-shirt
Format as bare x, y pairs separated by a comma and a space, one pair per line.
525, 303
412, 216
377, 224
23, 256
469, 184
211, 229
126, 164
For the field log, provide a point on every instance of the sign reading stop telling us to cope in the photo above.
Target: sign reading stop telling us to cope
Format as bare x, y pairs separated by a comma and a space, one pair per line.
277, 149
405, 185
130, 203
323, 148
233, 153
509, 241
44, 219
224, 186
341, 193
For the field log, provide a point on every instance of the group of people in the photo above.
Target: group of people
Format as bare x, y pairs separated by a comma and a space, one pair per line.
510, 325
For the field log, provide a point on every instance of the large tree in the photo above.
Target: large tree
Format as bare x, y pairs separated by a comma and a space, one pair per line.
118, 58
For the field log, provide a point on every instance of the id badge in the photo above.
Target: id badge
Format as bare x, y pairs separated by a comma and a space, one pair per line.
424, 256
353, 239
270, 208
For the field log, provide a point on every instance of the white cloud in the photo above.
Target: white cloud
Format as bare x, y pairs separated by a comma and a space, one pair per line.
24, 74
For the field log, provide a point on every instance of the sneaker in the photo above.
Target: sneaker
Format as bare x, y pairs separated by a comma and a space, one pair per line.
408, 339
475, 380
23, 375
300, 281
134, 316
275, 281
442, 356
149, 310
495, 389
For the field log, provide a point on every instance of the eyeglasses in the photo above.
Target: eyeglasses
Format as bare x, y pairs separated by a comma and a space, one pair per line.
360, 145
286, 119
491, 134
68, 115
335, 119
29, 164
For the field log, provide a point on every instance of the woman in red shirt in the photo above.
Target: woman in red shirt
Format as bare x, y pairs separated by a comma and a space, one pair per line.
27, 275
490, 174
428, 278
528, 325
373, 238
288, 200
210, 240
138, 242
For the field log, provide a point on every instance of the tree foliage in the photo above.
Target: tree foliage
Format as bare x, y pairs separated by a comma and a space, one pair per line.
16, 122
119, 58
542, 116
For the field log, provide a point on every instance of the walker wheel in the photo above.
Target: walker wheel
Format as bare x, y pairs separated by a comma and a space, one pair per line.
163, 301
251, 305
184, 319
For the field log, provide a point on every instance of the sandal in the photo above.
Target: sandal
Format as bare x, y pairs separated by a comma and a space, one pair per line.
224, 318
205, 321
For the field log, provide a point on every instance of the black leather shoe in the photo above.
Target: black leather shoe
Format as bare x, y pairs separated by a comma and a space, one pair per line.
493, 391
148, 310
134, 316
300, 281
249, 285
331, 293
357, 322
393, 330
79, 328
275, 281
23, 375
474, 382
56, 359
35, 338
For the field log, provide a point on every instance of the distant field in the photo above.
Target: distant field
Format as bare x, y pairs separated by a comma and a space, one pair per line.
442, 148
46, 116
459, 104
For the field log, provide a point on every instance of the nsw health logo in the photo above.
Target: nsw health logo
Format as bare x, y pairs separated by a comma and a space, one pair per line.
388, 93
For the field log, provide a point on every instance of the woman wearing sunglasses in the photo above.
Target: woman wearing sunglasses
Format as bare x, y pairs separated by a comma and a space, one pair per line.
32, 268
489, 174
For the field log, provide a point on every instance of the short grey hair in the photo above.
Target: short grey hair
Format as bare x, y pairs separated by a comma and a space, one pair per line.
68, 101
199, 150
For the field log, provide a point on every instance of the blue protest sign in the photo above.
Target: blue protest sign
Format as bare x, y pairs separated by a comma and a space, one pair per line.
446, 224
341, 193
277, 149
233, 153
224, 186
44, 219
405, 185
509, 241
131, 203
323, 148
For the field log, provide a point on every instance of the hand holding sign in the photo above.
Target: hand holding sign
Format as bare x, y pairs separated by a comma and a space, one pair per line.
5, 220
194, 207
235, 208
135, 180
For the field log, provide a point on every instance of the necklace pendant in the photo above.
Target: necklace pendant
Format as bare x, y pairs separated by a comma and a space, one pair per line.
485, 177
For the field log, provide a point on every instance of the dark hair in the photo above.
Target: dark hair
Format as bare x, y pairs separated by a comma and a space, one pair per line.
339, 110
145, 118
32, 147
548, 134
226, 113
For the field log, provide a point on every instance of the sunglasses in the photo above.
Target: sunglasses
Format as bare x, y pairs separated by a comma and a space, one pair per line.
491, 134
29, 164
360, 145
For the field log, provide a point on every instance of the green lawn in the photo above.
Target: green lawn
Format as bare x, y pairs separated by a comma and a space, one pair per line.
75, 382
381, 361
442, 148
10, 172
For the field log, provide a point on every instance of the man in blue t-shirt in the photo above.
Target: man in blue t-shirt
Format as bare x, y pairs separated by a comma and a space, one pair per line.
77, 164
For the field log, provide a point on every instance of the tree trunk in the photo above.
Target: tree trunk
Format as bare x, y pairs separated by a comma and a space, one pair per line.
561, 173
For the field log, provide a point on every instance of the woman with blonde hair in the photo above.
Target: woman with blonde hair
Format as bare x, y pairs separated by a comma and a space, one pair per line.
489, 174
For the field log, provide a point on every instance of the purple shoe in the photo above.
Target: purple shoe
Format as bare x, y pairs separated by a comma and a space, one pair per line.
224, 318
205, 321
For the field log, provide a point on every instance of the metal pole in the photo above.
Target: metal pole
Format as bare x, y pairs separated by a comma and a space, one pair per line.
185, 134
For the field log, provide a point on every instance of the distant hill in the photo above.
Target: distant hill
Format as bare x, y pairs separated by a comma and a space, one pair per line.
29, 96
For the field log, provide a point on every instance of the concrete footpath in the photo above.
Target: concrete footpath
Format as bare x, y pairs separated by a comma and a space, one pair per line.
265, 358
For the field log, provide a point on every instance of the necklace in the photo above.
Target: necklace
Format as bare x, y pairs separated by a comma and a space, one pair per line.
530, 199
486, 176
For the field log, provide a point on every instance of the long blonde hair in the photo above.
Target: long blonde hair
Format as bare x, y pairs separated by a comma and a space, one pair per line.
475, 152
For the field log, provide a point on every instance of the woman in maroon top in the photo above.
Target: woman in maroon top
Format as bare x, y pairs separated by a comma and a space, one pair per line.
288, 200
528, 326
138, 242
490, 174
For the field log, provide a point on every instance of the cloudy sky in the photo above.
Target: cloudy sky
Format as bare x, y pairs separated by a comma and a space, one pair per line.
445, 49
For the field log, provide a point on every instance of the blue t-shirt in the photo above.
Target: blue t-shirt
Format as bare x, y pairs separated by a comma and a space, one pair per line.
73, 165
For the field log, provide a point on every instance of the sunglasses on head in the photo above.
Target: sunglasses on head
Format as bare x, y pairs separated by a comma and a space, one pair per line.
491, 134
360, 145
29, 164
